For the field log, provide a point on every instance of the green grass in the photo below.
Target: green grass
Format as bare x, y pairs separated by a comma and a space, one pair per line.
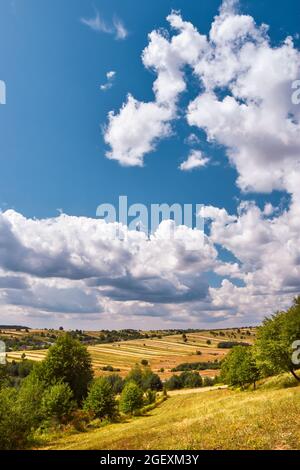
218, 419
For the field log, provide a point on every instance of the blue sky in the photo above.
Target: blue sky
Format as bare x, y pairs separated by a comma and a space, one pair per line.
52, 148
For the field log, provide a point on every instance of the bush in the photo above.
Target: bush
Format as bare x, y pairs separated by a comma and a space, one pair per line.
16, 424
57, 402
4, 377
101, 399
150, 397
131, 398
144, 362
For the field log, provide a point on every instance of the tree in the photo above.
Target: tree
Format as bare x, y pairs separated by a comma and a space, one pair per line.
116, 382
57, 402
174, 383
131, 398
144, 378
190, 379
135, 375
101, 399
30, 395
144, 362
275, 338
151, 381
69, 361
239, 367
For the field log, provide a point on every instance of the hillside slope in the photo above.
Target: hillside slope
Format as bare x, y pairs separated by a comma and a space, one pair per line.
219, 419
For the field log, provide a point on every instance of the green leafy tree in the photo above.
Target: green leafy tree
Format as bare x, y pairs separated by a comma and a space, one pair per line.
30, 396
135, 375
174, 383
144, 378
57, 402
101, 399
239, 367
131, 398
190, 379
274, 343
116, 382
151, 381
69, 361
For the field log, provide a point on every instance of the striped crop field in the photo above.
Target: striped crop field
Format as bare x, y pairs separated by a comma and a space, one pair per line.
162, 354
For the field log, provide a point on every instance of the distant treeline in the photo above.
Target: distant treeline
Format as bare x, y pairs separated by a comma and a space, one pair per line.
14, 327
197, 366
231, 344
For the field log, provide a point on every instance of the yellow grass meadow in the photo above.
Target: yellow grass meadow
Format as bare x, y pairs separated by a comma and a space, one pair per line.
202, 419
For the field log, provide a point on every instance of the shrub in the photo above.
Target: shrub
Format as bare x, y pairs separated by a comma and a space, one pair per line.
150, 397
144, 362
19, 414
131, 398
101, 399
14, 427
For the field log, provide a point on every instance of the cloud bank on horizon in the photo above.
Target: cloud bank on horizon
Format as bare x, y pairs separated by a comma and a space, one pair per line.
73, 266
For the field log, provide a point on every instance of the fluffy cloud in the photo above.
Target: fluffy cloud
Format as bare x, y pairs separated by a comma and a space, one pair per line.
134, 131
253, 117
194, 160
77, 265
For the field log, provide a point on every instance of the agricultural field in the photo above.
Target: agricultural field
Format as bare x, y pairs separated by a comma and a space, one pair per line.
163, 352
